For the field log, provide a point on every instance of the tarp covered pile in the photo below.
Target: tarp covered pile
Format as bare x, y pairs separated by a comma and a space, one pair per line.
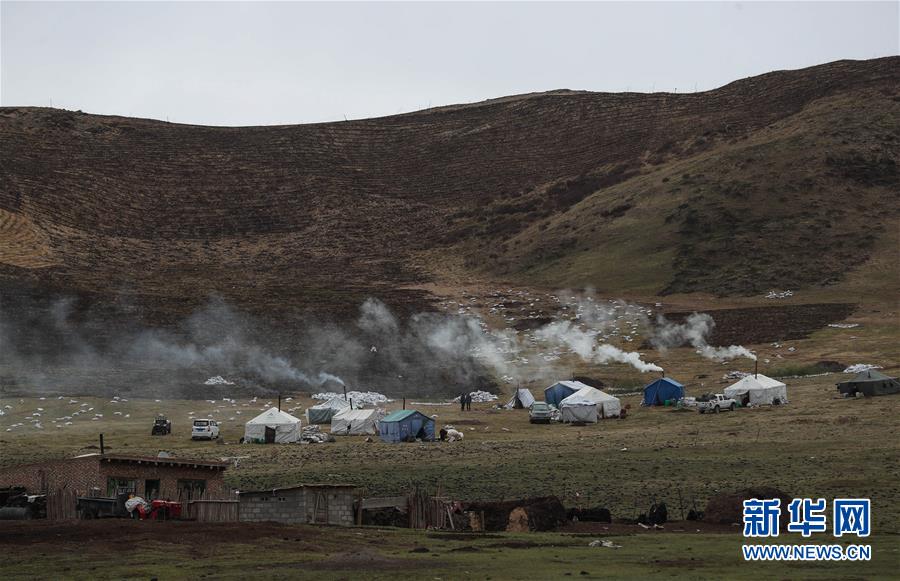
480, 397
315, 435
359, 398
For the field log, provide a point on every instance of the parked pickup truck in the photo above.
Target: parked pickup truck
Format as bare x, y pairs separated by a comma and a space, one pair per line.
89, 507
715, 402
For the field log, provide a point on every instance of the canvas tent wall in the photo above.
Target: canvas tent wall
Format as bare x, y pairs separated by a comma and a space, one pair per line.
323, 412
406, 425
607, 406
272, 427
521, 399
757, 390
870, 382
349, 422
579, 410
662, 390
560, 390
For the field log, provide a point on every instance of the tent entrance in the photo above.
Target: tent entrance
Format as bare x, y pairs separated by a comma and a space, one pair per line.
270, 435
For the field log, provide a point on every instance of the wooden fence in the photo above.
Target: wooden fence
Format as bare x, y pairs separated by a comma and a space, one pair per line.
211, 510
61, 504
428, 512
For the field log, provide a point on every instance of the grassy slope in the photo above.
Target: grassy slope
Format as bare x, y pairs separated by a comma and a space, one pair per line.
803, 201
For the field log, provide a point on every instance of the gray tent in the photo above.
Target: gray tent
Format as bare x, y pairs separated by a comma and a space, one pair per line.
869, 383
322, 413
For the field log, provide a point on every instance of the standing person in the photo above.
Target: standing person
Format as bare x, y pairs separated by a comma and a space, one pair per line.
468, 402
462, 402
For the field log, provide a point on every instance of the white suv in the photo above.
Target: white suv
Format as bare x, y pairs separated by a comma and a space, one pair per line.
205, 430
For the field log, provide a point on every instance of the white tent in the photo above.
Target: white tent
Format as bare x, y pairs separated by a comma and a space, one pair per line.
521, 399
757, 390
608, 406
350, 422
578, 409
272, 425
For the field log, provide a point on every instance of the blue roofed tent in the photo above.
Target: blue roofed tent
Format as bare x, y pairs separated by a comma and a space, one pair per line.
661, 390
406, 425
561, 390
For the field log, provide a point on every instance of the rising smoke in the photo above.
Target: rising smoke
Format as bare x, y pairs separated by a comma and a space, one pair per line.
584, 344
423, 354
694, 332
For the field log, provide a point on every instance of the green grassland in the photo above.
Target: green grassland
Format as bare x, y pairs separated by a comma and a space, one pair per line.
290, 552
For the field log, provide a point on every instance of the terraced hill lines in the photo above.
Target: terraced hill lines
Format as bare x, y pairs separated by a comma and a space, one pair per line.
22, 243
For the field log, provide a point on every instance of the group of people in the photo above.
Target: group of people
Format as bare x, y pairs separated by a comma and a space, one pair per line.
465, 402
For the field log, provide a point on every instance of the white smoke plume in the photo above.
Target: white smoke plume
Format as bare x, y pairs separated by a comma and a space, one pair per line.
585, 345
430, 344
694, 331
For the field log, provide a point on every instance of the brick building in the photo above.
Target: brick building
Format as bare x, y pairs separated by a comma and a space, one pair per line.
108, 475
306, 503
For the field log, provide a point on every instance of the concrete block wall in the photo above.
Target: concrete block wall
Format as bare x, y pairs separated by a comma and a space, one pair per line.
297, 506
287, 506
340, 507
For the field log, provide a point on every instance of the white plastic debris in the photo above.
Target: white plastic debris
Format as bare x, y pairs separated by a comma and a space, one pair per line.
217, 380
774, 294
480, 397
604, 543
360, 398
860, 367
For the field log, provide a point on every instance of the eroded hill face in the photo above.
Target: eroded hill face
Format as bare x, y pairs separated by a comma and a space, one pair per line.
787, 180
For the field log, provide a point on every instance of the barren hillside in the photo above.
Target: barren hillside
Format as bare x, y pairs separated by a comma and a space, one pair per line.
786, 180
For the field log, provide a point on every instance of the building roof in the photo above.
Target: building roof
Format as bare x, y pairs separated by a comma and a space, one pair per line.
145, 460
296, 487
156, 461
400, 415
